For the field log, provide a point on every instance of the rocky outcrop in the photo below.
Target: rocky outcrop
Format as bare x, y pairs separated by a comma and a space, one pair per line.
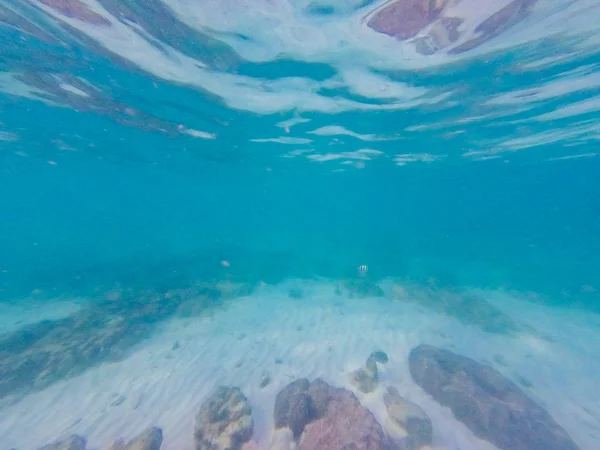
149, 439
366, 378
224, 421
294, 407
493, 407
324, 417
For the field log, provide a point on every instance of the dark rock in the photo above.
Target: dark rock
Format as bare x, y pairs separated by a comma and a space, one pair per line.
293, 407
224, 421
265, 380
325, 417
410, 417
380, 357
493, 407
73, 442
344, 424
366, 379
149, 439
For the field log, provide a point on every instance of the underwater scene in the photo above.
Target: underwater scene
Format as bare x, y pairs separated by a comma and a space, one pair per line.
299, 224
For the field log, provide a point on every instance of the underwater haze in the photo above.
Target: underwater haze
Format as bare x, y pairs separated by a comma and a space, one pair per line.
299, 224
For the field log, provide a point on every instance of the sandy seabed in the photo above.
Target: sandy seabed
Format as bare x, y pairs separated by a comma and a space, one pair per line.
271, 337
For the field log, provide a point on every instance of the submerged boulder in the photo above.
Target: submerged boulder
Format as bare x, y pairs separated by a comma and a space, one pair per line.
224, 421
493, 407
324, 417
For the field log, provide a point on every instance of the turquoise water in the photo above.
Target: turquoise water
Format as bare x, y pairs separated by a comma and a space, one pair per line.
173, 160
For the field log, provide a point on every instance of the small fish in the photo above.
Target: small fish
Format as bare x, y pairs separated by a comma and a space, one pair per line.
362, 270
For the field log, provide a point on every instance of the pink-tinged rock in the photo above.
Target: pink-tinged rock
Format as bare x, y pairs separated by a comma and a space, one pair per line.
403, 19
76, 10
345, 425
250, 445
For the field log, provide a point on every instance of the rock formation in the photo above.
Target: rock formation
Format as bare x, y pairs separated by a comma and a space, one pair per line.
366, 379
493, 407
324, 417
224, 421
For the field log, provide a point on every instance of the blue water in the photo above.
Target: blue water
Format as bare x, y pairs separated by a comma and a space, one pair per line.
141, 151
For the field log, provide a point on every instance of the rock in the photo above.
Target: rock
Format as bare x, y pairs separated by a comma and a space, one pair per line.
149, 439
366, 379
410, 417
293, 407
380, 357
345, 424
224, 421
489, 404
320, 414
283, 439
265, 380
73, 442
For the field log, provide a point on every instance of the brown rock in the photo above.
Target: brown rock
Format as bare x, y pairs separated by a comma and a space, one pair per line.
293, 407
224, 421
493, 407
366, 379
346, 425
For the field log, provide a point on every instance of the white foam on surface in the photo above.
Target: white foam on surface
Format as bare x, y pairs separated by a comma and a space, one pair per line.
337, 130
284, 140
323, 334
581, 155
198, 133
364, 154
405, 158
73, 90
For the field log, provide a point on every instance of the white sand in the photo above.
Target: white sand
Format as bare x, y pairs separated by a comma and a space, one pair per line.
324, 335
